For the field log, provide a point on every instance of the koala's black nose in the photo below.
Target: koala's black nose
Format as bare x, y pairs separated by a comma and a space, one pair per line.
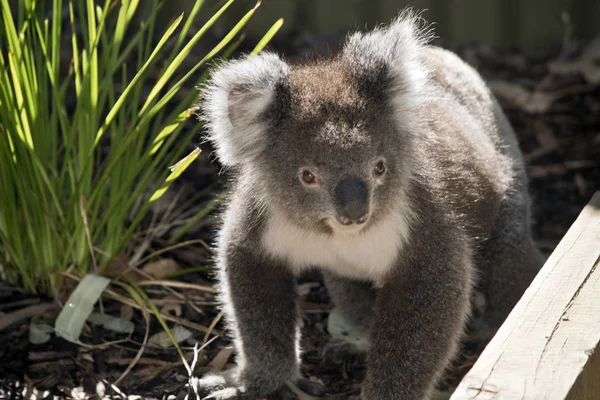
352, 201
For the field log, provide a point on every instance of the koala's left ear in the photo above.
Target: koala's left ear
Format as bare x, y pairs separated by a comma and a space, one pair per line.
236, 102
388, 60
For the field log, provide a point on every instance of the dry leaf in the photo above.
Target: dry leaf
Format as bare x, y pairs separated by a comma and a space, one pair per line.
581, 184
23, 313
517, 96
218, 363
544, 135
339, 328
172, 308
161, 339
543, 171
39, 331
532, 102
120, 266
161, 268
192, 256
112, 323
126, 312
588, 64
305, 288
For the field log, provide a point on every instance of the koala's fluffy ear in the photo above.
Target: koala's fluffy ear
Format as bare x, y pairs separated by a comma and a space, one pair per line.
388, 59
236, 102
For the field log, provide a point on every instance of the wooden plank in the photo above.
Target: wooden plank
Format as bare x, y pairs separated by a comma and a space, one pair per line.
588, 383
548, 347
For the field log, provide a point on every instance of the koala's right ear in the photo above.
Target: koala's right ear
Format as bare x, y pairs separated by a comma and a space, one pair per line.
236, 104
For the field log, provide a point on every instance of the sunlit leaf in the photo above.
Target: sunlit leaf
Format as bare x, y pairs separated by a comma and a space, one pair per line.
268, 36
163, 340
111, 323
39, 331
79, 306
339, 328
176, 171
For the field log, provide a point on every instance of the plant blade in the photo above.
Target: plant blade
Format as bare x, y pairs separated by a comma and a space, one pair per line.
176, 170
79, 306
267, 37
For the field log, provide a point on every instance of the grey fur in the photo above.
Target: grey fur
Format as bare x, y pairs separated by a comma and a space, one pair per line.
451, 210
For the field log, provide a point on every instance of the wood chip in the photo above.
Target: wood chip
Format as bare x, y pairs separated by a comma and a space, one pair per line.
161, 268
24, 313
218, 363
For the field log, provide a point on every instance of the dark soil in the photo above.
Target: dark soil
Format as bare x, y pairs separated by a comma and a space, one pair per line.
553, 106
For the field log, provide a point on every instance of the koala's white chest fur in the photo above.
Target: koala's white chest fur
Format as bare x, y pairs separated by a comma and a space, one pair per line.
362, 255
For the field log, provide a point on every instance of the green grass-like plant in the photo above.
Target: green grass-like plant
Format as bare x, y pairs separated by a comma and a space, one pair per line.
85, 141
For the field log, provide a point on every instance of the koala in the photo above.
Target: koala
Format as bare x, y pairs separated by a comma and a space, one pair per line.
391, 168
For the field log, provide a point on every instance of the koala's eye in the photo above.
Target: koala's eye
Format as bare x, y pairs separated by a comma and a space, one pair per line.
308, 177
379, 168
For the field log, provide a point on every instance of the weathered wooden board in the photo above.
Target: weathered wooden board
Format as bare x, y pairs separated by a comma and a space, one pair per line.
548, 347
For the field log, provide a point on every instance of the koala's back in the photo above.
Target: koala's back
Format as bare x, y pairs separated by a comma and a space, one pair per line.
470, 154
457, 78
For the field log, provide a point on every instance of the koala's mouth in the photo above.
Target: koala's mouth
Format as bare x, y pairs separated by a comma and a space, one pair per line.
337, 226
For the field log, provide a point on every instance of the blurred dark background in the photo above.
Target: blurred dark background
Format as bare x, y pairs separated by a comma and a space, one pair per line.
537, 26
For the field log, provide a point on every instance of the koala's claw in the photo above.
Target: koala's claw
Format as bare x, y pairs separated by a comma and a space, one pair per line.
219, 386
225, 394
337, 351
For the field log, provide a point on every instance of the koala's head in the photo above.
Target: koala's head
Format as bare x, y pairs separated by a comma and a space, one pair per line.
328, 144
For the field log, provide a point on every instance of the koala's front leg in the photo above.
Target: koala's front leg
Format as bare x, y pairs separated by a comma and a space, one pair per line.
260, 302
420, 314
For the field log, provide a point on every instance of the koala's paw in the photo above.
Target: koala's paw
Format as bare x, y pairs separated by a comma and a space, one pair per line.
232, 393
285, 393
223, 393
219, 386
226, 394
312, 388
337, 351
223, 386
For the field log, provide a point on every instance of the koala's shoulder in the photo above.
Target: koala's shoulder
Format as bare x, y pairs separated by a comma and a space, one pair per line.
243, 213
451, 75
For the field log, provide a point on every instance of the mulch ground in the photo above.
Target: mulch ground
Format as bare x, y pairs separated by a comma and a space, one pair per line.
553, 104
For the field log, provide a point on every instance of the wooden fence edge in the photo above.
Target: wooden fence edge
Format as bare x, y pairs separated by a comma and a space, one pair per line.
548, 347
